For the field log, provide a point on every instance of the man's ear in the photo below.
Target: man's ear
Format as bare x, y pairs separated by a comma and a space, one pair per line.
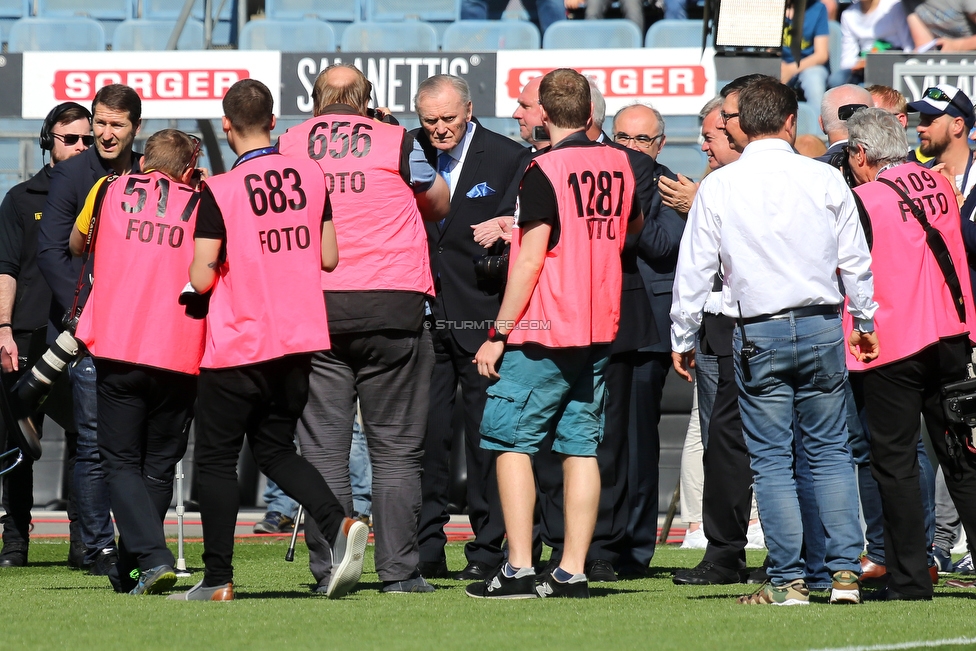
225, 124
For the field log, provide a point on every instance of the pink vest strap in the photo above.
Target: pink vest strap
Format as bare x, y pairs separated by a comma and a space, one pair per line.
143, 248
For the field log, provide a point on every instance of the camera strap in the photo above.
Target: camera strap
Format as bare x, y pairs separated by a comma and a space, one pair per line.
90, 239
938, 246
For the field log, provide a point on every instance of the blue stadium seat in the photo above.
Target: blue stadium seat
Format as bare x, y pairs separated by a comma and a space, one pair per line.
689, 160
155, 34
410, 36
591, 34
675, 33
343, 11
288, 36
170, 10
490, 35
54, 34
380, 11
836, 47
108, 12
11, 10
808, 120
682, 126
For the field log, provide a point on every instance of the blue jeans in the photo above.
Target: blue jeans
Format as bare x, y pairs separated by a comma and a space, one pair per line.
276, 500
545, 12
91, 491
360, 472
676, 10
799, 369
706, 374
813, 83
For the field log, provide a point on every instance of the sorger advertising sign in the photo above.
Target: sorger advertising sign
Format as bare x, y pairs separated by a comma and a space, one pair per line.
171, 84
676, 81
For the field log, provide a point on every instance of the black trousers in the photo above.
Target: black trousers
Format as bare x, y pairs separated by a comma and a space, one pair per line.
143, 419
650, 372
895, 394
263, 402
451, 366
612, 456
727, 492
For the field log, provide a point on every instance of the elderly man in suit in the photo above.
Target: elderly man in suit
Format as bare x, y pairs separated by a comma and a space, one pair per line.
479, 166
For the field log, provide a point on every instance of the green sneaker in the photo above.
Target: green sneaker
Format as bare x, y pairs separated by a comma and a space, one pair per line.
846, 589
791, 594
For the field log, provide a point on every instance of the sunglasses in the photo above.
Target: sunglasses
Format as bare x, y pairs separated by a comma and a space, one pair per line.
727, 116
939, 95
642, 140
71, 139
197, 144
845, 112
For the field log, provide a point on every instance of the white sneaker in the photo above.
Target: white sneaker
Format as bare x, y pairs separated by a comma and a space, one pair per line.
347, 557
755, 539
695, 540
964, 565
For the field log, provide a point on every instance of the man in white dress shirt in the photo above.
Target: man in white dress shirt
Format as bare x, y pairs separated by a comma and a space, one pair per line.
783, 226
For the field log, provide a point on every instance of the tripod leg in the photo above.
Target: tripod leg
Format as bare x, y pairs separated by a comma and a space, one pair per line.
290, 554
180, 510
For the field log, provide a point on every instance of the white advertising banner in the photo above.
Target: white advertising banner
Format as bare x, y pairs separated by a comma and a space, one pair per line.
175, 85
676, 81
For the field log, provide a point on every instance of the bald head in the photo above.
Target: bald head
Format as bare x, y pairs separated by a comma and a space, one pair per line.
833, 99
341, 83
639, 120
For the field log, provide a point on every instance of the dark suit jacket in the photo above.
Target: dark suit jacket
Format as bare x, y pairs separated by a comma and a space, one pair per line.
71, 181
833, 149
492, 159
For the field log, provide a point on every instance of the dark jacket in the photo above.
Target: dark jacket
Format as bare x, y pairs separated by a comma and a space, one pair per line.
20, 220
495, 160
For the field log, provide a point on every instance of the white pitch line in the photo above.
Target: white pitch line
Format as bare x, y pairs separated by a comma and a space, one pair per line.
920, 644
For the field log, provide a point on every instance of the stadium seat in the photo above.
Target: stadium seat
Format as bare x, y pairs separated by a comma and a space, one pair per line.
410, 36
288, 36
836, 47
689, 160
170, 10
490, 35
685, 127
345, 11
675, 33
380, 11
155, 34
11, 10
591, 34
56, 34
808, 120
108, 12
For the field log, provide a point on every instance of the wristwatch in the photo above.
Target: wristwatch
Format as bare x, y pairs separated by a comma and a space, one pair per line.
494, 335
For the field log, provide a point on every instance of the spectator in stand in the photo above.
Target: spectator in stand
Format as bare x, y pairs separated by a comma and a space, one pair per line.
809, 74
951, 24
632, 10
541, 12
869, 26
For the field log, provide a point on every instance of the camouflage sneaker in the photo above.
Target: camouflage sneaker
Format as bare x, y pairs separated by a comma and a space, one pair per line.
791, 594
845, 589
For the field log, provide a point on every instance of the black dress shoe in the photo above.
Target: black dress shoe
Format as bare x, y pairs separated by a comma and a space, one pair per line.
475, 571
706, 573
600, 571
633, 572
104, 562
758, 576
13, 558
887, 594
434, 569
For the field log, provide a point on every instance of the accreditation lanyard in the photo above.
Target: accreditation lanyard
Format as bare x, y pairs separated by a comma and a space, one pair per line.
254, 153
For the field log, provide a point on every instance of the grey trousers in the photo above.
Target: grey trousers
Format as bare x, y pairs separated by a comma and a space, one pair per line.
389, 372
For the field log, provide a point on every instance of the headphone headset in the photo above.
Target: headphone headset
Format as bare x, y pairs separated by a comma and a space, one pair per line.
46, 139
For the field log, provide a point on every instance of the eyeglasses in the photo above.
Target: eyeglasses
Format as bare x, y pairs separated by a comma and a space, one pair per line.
845, 112
71, 139
642, 140
727, 116
939, 95
196, 151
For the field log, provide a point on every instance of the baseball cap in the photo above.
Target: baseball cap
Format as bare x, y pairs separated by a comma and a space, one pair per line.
944, 100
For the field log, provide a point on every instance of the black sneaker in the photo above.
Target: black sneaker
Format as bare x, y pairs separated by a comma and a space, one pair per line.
104, 562
76, 556
274, 522
13, 556
549, 587
600, 571
155, 580
502, 587
706, 573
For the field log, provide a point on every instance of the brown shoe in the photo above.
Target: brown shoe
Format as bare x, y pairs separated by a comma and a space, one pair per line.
199, 592
871, 572
959, 583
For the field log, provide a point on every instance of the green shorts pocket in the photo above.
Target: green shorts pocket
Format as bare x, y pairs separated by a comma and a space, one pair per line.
504, 410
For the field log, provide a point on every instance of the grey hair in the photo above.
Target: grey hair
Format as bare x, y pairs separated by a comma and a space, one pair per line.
713, 104
599, 104
657, 115
881, 135
838, 96
437, 82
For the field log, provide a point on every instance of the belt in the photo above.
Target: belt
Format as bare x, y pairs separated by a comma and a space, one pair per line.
796, 313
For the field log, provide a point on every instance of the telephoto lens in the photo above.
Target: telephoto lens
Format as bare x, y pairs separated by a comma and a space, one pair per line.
34, 386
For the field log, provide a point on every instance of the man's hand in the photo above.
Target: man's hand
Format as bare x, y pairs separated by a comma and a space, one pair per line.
677, 194
682, 362
489, 231
950, 175
787, 71
7, 343
488, 358
864, 346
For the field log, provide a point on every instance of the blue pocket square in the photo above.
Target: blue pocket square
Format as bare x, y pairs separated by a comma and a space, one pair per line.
480, 190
